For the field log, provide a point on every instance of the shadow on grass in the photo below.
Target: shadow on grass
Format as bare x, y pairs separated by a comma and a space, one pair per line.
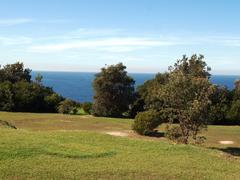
82, 156
156, 134
234, 151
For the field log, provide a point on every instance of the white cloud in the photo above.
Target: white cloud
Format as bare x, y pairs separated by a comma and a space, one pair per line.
13, 22
107, 44
21, 40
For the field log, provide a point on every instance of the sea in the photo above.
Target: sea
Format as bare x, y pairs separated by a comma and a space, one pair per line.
78, 85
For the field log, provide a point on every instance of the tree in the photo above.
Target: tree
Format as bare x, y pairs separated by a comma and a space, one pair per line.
194, 66
188, 99
182, 95
19, 93
150, 89
14, 73
114, 91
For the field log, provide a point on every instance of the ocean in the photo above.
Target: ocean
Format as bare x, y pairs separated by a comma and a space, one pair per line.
78, 85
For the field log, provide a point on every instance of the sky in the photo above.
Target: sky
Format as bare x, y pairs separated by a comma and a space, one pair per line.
146, 35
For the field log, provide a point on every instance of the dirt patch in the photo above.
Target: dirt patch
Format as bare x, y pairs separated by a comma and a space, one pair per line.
226, 142
117, 133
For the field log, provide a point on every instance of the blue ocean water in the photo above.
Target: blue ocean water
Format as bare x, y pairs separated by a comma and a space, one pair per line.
78, 85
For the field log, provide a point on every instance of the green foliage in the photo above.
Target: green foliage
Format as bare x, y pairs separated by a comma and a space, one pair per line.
66, 106
6, 96
234, 112
87, 107
51, 102
19, 93
182, 94
145, 122
194, 66
189, 99
14, 73
136, 106
220, 104
149, 89
114, 91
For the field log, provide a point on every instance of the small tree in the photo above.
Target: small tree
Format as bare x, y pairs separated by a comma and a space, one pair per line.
187, 94
182, 95
114, 91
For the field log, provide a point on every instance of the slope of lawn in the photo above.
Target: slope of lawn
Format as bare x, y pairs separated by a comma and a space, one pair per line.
49, 146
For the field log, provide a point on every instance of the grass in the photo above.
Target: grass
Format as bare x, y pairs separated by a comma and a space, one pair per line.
54, 146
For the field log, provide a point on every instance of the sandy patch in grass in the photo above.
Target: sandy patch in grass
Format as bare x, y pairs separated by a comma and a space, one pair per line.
226, 142
118, 133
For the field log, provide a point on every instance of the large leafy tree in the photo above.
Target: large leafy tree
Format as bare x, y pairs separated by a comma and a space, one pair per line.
114, 91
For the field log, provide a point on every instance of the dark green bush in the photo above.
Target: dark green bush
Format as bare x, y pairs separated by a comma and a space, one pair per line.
66, 106
145, 122
87, 107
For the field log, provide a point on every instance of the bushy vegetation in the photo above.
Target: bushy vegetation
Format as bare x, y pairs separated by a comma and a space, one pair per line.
19, 93
67, 106
87, 107
145, 122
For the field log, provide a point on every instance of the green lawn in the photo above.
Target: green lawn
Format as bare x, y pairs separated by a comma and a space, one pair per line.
54, 146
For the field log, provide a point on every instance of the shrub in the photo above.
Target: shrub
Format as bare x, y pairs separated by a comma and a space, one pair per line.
66, 106
87, 107
145, 122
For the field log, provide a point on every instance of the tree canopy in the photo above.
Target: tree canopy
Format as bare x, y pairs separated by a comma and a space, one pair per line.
19, 93
114, 91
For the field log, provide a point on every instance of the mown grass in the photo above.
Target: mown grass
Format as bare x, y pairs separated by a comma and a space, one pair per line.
53, 146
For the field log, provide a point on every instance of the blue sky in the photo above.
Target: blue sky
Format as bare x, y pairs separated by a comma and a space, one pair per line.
146, 35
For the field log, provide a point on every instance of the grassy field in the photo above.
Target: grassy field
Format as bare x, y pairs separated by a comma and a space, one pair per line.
54, 146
